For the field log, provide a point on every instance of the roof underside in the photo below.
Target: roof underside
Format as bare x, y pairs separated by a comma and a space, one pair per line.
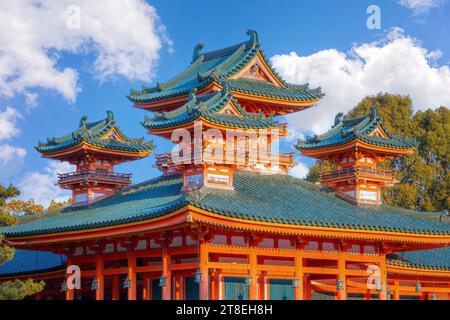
346, 131
267, 198
220, 65
94, 134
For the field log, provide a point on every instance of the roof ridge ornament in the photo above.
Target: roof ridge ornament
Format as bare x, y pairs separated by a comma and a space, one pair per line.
197, 51
338, 119
192, 95
374, 113
109, 116
225, 88
83, 121
254, 39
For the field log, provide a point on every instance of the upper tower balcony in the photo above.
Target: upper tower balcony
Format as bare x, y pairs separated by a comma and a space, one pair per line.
358, 172
246, 160
89, 177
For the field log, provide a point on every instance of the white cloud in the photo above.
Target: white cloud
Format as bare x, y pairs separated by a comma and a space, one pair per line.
11, 160
8, 119
421, 6
31, 99
399, 64
125, 37
300, 170
10, 154
42, 186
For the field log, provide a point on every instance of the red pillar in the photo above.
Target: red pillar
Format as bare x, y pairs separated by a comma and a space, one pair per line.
383, 279
132, 276
70, 293
299, 275
99, 266
204, 270
166, 292
342, 293
253, 288
145, 295
396, 290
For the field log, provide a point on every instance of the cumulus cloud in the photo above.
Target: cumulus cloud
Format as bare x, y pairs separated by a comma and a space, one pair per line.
11, 160
8, 121
399, 64
300, 170
10, 154
42, 186
421, 6
123, 36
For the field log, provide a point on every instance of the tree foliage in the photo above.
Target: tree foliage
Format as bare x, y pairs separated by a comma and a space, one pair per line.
18, 290
14, 290
424, 182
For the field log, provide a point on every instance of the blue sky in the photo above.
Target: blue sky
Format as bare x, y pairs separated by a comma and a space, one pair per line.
331, 28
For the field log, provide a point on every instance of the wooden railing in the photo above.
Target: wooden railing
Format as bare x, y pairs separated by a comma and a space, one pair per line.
362, 171
165, 160
94, 175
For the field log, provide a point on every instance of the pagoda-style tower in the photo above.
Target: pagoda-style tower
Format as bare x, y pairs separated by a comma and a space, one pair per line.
228, 90
357, 146
95, 149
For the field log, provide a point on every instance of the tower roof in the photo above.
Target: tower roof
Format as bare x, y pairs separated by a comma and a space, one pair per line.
368, 130
225, 64
219, 108
103, 135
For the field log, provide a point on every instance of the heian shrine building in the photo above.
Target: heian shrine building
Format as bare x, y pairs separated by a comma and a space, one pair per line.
225, 222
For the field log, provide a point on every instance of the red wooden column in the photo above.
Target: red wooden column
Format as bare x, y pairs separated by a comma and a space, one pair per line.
166, 290
145, 295
115, 287
342, 293
99, 267
178, 281
396, 289
70, 293
383, 278
253, 288
204, 270
299, 290
132, 275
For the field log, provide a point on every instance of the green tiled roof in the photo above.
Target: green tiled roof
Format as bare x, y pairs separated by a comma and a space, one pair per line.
91, 133
219, 65
436, 259
209, 106
270, 198
345, 131
267, 89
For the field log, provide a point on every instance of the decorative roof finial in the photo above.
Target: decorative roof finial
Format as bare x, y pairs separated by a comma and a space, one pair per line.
338, 118
83, 121
192, 96
225, 87
254, 40
374, 113
109, 116
197, 51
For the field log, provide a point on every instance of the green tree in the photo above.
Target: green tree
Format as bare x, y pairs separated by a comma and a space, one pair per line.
14, 290
424, 182
55, 205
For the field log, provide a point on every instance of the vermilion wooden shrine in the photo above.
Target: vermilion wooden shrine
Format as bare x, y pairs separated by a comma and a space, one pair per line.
220, 223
